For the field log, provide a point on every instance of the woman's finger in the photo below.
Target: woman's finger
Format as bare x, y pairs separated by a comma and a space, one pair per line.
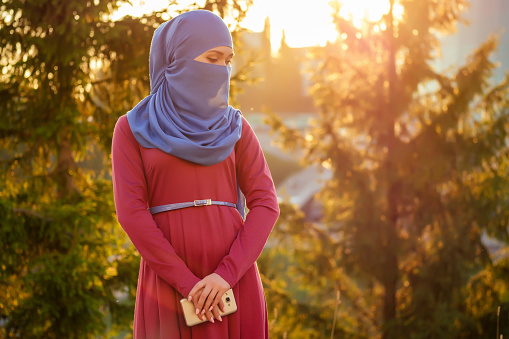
220, 304
215, 313
195, 296
202, 299
199, 285
209, 302
217, 300
209, 317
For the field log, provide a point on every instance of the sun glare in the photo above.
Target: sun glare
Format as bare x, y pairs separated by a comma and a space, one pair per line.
369, 10
309, 23
304, 22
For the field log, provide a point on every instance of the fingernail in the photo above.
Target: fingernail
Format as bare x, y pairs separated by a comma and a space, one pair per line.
210, 309
189, 298
212, 320
220, 319
197, 311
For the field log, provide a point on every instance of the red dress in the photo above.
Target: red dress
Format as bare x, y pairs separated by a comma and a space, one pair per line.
178, 248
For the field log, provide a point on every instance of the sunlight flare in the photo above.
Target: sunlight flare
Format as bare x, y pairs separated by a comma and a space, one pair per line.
304, 23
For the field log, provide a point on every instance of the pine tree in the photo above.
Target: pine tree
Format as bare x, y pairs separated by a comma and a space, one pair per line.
64, 269
68, 73
419, 163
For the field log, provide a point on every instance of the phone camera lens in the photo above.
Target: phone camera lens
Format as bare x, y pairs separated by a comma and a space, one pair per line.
227, 299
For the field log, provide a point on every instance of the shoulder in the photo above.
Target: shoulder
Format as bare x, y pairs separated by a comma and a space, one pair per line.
122, 123
248, 137
123, 131
122, 126
247, 130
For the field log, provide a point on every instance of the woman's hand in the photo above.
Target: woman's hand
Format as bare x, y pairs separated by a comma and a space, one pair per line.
206, 296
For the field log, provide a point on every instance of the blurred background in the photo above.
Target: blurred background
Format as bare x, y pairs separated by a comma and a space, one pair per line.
384, 124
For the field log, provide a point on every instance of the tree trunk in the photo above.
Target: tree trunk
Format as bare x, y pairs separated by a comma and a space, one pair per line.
391, 264
389, 307
66, 188
391, 247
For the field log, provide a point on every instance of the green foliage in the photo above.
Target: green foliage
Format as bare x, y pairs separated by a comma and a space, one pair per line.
66, 266
302, 277
419, 162
65, 269
67, 73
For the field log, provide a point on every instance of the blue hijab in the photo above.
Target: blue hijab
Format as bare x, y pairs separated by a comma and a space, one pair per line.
187, 112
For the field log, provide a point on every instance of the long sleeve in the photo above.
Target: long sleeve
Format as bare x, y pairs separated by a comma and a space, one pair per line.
256, 183
130, 192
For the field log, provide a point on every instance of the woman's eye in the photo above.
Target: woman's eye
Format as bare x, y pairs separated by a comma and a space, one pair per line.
212, 59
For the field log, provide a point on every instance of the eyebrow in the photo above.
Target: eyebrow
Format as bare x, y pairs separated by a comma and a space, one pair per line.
219, 52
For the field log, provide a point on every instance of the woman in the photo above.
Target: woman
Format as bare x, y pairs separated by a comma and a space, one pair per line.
182, 145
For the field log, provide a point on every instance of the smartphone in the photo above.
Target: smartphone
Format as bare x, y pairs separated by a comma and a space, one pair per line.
190, 311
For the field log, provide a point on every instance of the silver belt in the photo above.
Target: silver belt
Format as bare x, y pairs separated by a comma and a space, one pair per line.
196, 203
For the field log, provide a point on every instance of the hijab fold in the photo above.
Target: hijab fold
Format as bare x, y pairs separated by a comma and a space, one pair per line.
187, 112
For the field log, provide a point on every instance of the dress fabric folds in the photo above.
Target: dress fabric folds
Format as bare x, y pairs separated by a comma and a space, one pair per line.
178, 248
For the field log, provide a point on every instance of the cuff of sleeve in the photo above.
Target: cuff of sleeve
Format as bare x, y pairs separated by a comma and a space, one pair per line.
226, 275
186, 287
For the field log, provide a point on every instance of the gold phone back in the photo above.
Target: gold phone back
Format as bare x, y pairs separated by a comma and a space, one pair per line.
230, 306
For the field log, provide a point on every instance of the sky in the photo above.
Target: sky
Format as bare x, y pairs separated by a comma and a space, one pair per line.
305, 22
308, 23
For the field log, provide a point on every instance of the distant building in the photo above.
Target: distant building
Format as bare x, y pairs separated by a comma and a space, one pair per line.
301, 188
283, 83
280, 84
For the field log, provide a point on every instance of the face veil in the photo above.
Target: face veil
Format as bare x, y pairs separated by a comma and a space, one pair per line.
187, 112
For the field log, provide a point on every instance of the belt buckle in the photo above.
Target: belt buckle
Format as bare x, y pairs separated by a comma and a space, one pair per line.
204, 202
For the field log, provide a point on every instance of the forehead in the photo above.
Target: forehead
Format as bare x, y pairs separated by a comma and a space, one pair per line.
197, 32
222, 50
